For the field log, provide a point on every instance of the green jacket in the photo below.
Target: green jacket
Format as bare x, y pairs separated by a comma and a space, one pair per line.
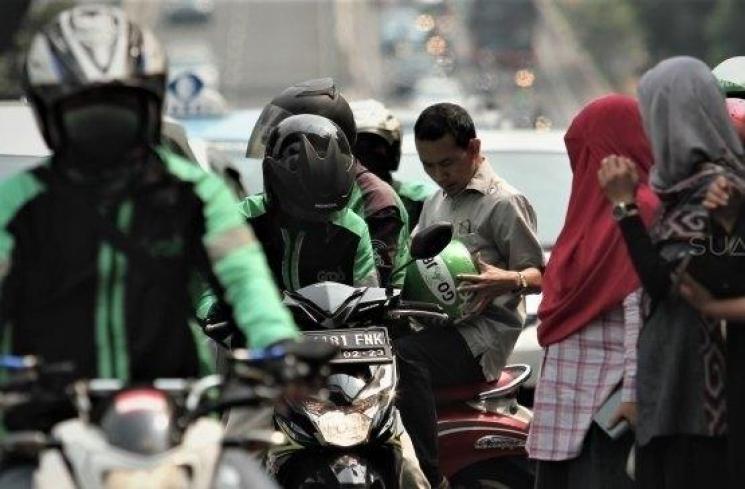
301, 255
413, 195
339, 251
111, 286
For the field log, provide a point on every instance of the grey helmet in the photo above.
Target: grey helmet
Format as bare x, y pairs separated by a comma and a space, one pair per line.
91, 50
376, 122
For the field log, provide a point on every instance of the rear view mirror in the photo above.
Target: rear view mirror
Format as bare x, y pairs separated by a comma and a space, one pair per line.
430, 241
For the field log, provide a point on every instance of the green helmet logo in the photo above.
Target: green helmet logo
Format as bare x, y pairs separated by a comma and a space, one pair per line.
433, 280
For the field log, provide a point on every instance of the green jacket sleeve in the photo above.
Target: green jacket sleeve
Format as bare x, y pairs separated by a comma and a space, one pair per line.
204, 297
365, 273
237, 261
402, 251
241, 268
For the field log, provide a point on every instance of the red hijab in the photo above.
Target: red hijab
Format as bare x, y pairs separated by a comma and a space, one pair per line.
589, 271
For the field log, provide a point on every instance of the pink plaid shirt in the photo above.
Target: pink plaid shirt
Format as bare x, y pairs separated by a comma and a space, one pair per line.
579, 373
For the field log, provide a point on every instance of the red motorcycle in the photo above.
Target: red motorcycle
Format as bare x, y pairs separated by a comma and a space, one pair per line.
482, 431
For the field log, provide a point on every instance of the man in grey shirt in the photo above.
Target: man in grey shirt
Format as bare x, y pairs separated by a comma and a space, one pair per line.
498, 226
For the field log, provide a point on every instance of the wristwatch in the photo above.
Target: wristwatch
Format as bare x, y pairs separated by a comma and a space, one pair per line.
623, 210
523, 284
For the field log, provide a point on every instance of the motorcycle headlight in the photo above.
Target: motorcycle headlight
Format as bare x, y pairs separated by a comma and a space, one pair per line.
344, 426
367, 406
166, 477
344, 429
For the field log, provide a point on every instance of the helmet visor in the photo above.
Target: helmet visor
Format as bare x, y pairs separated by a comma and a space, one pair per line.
268, 120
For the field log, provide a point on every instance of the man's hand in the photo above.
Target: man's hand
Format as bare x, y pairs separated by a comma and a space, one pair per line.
627, 411
488, 285
618, 179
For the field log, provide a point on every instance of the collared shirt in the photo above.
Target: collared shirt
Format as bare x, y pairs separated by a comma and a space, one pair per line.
495, 221
579, 373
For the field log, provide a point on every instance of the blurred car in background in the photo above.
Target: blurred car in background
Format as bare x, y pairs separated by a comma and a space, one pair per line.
187, 11
228, 136
27, 148
21, 146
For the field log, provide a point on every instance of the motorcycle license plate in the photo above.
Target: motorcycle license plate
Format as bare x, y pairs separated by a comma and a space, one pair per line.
368, 345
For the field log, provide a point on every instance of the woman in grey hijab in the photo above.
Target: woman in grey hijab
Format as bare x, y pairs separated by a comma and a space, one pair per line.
682, 416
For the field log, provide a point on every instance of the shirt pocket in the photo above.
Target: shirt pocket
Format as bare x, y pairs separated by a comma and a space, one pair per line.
477, 244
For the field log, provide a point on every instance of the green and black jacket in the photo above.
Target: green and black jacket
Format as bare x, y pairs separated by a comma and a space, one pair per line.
338, 251
113, 287
413, 196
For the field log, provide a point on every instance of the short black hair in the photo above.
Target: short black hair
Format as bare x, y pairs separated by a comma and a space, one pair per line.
445, 118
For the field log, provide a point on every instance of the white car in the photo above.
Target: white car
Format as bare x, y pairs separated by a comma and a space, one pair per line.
536, 163
22, 145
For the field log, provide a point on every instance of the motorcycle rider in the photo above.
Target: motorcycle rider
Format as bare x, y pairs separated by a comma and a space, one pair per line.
372, 199
378, 147
308, 175
102, 245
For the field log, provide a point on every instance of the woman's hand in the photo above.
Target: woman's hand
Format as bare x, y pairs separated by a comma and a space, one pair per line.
718, 193
627, 411
618, 179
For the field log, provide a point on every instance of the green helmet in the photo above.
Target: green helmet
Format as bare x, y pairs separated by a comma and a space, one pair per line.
730, 74
434, 281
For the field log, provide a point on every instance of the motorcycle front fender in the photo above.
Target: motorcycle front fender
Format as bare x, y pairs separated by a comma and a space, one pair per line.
363, 468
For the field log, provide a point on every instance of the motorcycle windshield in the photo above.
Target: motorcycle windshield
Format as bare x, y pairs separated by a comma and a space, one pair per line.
268, 120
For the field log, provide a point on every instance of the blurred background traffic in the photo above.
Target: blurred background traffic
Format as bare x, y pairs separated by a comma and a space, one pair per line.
512, 63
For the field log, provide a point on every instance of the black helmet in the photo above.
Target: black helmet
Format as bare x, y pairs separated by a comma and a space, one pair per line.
308, 168
91, 54
319, 97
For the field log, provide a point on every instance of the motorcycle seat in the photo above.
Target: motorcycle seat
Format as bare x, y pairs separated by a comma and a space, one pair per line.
510, 379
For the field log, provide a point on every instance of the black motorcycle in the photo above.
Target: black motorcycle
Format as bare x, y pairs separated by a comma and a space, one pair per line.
350, 438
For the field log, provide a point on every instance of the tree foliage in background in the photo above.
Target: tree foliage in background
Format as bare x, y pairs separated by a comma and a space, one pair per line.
625, 37
674, 27
609, 31
12, 59
725, 31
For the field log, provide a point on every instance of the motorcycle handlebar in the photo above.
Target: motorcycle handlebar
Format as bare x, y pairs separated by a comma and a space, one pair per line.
420, 306
415, 313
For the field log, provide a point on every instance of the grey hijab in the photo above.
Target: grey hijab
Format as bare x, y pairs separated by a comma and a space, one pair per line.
686, 120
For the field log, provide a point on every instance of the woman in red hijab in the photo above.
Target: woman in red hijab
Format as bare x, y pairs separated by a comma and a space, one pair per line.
590, 315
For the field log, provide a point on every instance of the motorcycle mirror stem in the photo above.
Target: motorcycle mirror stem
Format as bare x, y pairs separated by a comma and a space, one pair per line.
426, 243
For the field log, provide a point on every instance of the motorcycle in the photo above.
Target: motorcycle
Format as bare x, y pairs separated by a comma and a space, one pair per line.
482, 430
344, 441
159, 435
